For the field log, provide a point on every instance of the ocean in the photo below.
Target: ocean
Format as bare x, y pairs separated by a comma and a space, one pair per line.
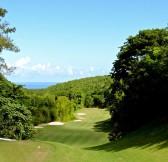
36, 85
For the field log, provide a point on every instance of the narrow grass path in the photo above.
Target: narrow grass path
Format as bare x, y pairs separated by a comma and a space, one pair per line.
72, 140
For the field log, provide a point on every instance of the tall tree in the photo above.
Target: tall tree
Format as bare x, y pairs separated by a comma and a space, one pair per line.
140, 74
15, 118
6, 43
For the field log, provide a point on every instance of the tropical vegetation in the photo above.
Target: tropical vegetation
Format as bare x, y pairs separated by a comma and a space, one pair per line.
134, 94
140, 81
60, 101
15, 118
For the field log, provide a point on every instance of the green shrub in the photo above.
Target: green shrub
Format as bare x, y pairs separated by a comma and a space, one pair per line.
15, 120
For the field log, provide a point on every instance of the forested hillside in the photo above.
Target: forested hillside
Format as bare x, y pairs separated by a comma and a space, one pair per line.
59, 102
90, 92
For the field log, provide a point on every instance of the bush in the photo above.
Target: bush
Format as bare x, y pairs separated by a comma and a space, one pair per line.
15, 120
64, 110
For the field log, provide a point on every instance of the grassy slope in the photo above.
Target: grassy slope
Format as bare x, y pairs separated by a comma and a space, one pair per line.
78, 134
24, 151
86, 141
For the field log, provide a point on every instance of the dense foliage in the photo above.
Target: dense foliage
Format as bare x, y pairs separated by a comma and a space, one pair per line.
86, 92
140, 89
15, 118
59, 102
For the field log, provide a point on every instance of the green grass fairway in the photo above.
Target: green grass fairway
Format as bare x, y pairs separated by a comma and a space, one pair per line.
85, 133
24, 151
87, 141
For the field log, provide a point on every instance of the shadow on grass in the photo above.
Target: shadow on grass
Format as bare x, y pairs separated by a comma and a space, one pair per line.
103, 126
153, 136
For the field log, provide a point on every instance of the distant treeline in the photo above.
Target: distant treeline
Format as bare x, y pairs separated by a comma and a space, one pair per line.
59, 102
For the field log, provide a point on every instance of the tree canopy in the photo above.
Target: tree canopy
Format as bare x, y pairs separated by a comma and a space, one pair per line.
15, 117
6, 43
140, 74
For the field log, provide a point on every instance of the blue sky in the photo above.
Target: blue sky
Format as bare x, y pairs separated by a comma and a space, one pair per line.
62, 40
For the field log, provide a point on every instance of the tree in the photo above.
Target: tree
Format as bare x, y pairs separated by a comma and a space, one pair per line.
64, 110
6, 43
15, 117
140, 74
15, 120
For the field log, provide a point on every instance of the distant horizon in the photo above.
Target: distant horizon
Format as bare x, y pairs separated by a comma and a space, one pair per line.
35, 82
67, 40
54, 81
36, 85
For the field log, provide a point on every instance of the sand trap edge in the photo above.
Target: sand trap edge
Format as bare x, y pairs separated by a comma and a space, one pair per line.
55, 123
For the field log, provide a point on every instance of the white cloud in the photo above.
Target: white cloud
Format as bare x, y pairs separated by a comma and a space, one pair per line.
70, 70
9, 65
39, 67
47, 71
58, 69
81, 72
22, 61
91, 68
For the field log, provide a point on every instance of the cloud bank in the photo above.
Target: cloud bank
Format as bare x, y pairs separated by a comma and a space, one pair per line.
26, 71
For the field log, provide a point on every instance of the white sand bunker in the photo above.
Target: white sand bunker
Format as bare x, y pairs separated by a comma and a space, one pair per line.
6, 139
77, 120
55, 123
81, 114
38, 127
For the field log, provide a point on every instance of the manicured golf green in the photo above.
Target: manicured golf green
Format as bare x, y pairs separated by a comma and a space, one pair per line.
87, 141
